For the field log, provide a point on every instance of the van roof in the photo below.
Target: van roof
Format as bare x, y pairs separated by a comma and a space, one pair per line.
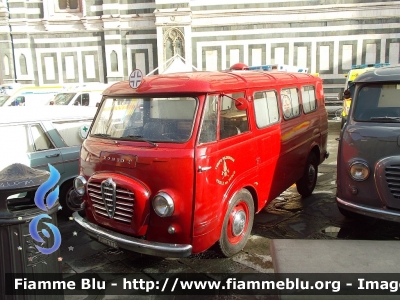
391, 73
207, 82
44, 113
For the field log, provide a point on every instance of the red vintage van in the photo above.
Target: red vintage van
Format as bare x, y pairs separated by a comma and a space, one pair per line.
185, 160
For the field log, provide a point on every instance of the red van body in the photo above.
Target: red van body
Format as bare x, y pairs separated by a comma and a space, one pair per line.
185, 160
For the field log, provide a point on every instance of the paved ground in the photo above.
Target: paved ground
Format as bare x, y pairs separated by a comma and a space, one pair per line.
286, 217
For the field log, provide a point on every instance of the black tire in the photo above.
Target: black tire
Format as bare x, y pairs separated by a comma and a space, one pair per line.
306, 184
69, 206
241, 214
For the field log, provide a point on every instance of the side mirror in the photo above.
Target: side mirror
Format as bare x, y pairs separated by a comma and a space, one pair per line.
51, 103
241, 103
347, 94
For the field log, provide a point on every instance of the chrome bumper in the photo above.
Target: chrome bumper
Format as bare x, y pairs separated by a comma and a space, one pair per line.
380, 213
133, 244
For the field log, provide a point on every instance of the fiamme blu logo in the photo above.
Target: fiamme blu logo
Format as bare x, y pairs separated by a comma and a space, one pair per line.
51, 200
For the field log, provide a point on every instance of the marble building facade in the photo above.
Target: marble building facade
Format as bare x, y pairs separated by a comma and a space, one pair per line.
47, 42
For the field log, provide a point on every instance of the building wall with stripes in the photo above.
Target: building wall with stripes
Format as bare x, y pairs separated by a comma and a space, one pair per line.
104, 40
327, 37
95, 41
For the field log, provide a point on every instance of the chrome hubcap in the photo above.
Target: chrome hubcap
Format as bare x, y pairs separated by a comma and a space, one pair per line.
239, 222
311, 174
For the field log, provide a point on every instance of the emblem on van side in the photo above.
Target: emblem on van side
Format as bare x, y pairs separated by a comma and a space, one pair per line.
225, 176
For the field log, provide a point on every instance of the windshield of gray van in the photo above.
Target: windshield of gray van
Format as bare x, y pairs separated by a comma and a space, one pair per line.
378, 103
161, 119
3, 99
63, 98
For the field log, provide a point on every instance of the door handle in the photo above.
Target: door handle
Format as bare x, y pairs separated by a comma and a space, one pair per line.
53, 155
202, 169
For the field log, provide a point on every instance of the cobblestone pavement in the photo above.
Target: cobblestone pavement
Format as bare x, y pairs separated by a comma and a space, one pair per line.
288, 216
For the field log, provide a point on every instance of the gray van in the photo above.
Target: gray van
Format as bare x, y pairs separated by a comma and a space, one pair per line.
368, 161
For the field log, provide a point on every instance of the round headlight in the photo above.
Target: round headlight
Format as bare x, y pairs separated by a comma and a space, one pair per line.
359, 171
80, 185
163, 204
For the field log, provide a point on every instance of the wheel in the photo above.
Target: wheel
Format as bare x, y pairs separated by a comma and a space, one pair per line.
237, 225
68, 200
306, 184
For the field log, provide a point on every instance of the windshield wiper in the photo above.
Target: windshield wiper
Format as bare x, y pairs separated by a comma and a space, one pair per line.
138, 138
385, 118
101, 134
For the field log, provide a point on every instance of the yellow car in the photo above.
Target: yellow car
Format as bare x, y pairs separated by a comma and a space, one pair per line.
355, 71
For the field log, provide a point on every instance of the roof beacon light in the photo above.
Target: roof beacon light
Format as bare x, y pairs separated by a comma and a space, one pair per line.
363, 66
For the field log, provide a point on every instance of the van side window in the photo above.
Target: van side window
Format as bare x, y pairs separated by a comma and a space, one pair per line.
309, 99
85, 99
40, 140
208, 130
232, 121
290, 103
266, 108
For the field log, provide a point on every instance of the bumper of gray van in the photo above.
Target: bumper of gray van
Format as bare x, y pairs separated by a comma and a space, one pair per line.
380, 213
130, 243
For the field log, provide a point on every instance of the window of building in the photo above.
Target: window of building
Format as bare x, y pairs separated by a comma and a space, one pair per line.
173, 43
114, 61
309, 99
6, 63
22, 65
67, 6
266, 108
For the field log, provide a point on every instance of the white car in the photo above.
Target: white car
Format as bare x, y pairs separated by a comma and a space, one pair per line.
42, 135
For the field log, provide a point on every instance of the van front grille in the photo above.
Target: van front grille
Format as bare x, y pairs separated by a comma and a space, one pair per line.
124, 202
392, 173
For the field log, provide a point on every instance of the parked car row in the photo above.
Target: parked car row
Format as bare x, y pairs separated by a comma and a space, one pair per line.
81, 95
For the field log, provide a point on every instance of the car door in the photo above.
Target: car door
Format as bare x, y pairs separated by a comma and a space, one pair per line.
222, 155
72, 134
44, 150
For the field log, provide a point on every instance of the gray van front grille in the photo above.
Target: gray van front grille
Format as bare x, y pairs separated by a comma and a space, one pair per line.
392, 173
124, 202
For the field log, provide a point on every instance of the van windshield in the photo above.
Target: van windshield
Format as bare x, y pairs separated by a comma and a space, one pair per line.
63, 98
378, 103
161, 119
